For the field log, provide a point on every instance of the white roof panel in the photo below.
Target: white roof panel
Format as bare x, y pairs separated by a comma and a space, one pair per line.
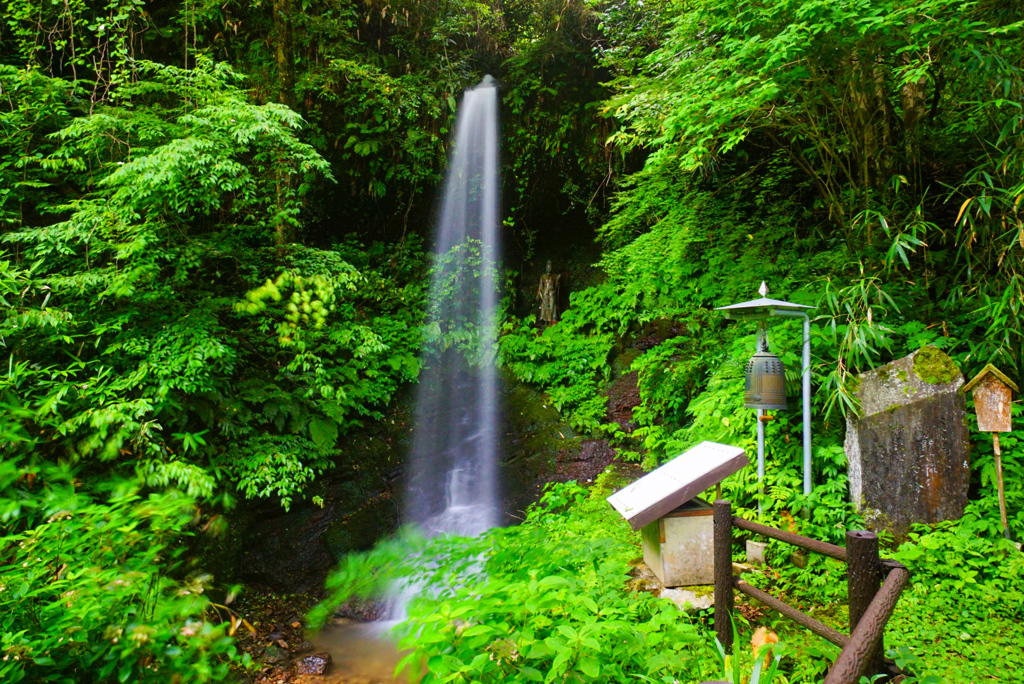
676, 482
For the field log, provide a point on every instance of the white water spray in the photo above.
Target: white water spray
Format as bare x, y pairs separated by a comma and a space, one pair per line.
452, 484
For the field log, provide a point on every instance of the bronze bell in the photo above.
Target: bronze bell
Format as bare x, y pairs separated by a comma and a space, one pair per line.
765, 386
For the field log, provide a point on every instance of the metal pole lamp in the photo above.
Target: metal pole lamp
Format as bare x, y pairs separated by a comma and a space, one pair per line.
765, 385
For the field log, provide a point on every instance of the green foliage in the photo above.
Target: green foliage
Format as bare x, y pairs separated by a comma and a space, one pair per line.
670, 275
131, 340
732, 663
86, 593
854, 323
179, 306
329, 374
310, 300
458, 279
968, 558
543, 601
957, 619
802, 75
571, 367
554, 138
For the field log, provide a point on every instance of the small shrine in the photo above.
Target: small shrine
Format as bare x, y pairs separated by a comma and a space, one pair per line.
993, 401
676, 526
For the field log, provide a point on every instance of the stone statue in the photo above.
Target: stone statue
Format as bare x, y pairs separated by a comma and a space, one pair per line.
547, 293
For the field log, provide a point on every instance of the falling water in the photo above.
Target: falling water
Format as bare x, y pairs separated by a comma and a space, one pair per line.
452, 484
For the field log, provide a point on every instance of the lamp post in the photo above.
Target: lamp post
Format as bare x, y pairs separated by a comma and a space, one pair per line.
761, 366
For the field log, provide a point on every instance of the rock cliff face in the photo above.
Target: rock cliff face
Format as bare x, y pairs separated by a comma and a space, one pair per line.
292, 552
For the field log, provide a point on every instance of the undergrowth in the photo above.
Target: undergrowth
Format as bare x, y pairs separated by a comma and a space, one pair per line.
552, 600
545, 601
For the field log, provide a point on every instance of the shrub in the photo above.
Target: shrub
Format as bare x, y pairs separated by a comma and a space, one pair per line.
85, 595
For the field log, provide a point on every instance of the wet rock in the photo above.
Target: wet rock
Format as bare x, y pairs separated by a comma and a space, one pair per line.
620, 365
739, 569
908, 450
315, 664
359, 529
644, 579
623, 396
273, 655
304, 647
583, 462
287, 553
361, 610
534, 441
292, 551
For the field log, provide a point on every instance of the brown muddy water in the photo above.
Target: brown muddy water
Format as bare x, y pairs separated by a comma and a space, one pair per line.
361, 653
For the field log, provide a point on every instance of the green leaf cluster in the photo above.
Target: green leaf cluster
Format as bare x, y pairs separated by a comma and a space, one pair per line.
544, 601
86, 592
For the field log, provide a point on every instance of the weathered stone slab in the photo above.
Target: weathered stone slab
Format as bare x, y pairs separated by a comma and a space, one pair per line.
908, 450
687, 600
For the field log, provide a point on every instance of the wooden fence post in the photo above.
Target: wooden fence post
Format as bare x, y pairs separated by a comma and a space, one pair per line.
863, 578
724, 598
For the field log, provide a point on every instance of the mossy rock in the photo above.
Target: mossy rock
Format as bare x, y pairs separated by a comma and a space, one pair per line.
933, 366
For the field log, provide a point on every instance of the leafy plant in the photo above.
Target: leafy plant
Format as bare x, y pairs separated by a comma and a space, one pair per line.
731, 663
87, 592
549, 604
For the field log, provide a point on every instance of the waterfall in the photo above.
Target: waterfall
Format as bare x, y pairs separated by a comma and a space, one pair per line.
452, 486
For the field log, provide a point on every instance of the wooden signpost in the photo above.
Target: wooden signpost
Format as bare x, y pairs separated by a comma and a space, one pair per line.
993, 393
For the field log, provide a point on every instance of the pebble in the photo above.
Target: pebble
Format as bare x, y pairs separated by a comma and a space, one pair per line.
272, 654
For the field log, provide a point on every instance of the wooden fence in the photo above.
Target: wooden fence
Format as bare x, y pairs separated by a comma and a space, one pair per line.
873, 588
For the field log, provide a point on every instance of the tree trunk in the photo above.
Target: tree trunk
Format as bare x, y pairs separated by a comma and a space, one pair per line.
283, 52
285, 58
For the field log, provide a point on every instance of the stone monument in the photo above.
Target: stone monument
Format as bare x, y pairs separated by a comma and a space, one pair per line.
907, 451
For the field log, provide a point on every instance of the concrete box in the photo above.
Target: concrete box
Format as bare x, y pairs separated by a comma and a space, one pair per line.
756, 551
679, 546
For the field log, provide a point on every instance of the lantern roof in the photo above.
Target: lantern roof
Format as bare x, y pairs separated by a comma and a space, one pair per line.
760, 308
995, 372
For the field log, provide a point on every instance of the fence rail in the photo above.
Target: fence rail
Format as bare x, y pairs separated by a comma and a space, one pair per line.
871, 600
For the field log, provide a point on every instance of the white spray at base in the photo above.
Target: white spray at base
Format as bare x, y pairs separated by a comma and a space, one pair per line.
452, 485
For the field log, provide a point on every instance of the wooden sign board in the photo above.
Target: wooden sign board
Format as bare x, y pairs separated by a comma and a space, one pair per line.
676, 482
993, 402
